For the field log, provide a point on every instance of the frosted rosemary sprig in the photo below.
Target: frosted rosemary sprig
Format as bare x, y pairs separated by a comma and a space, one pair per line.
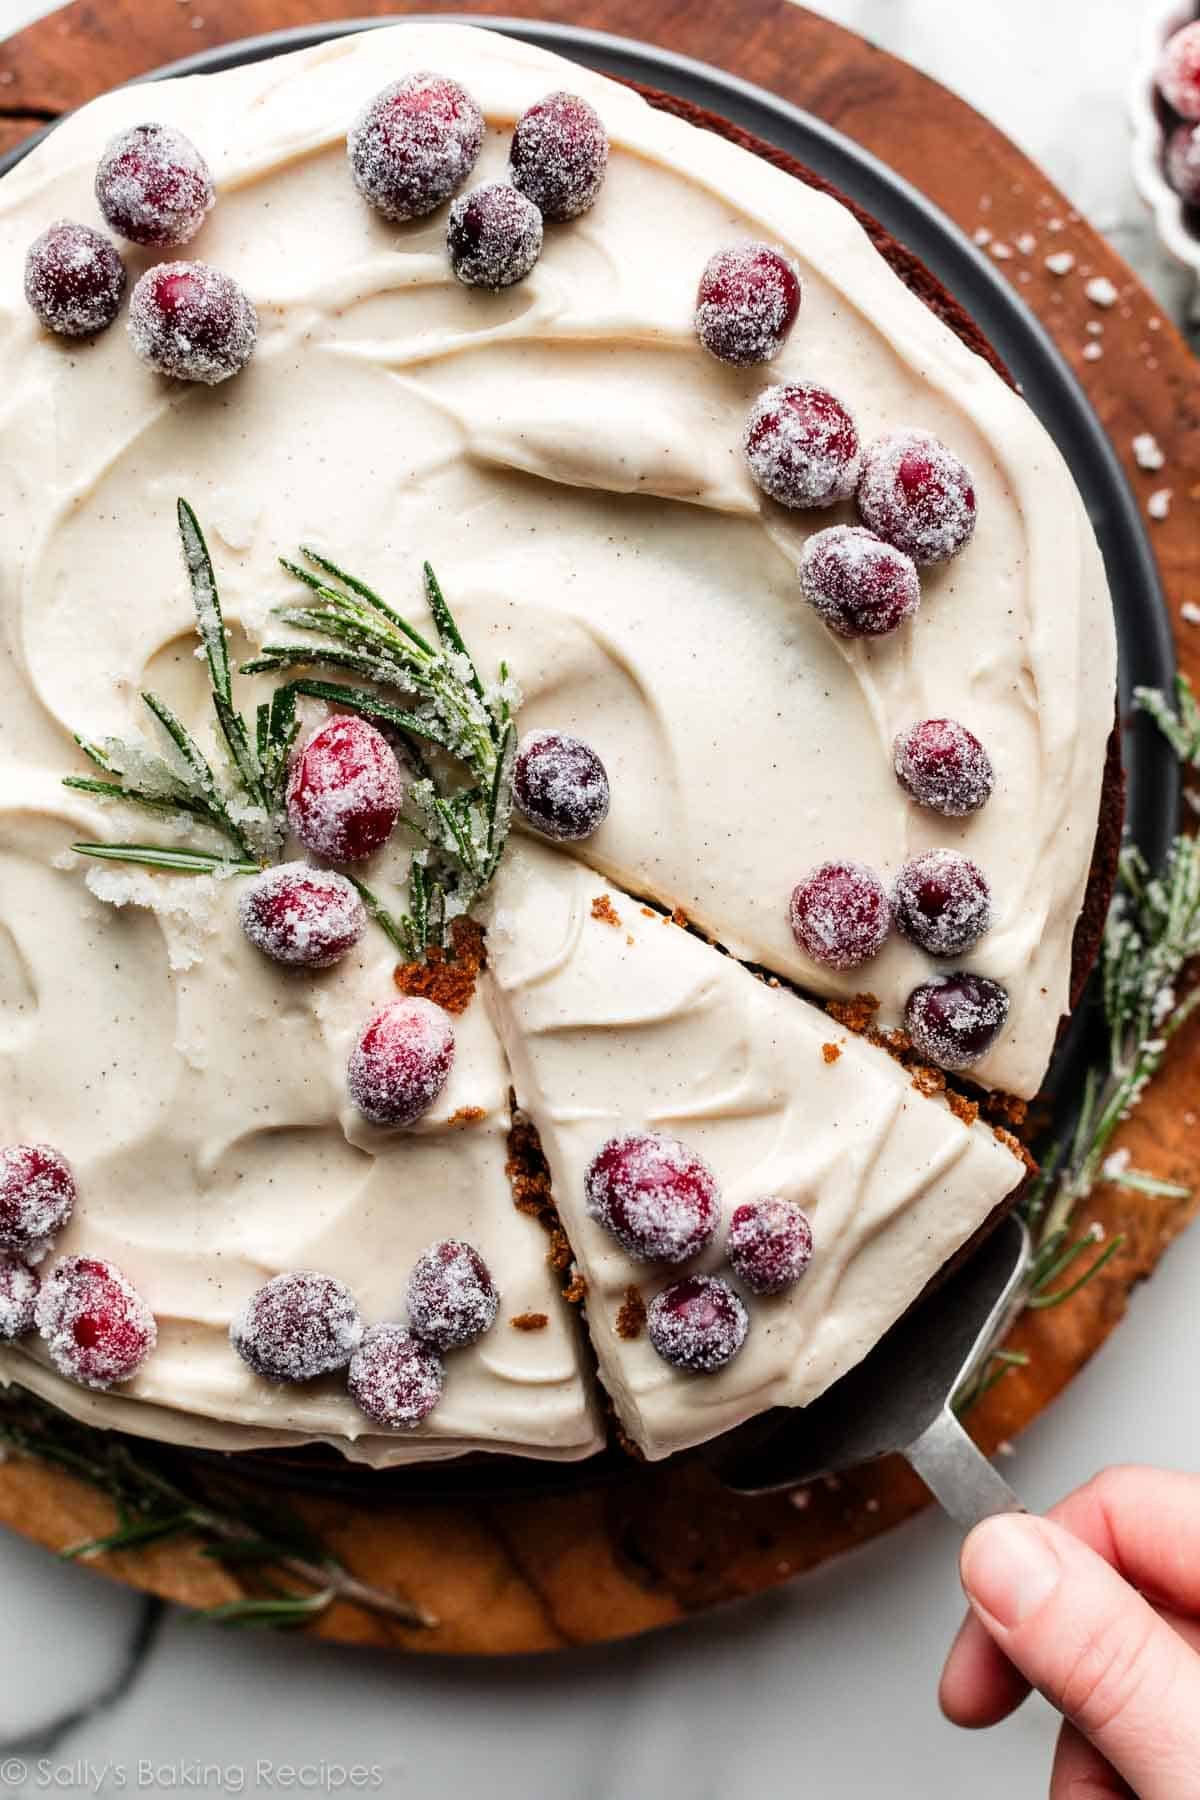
155, 1503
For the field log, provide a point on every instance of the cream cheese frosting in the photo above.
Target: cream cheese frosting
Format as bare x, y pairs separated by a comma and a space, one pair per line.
570, 462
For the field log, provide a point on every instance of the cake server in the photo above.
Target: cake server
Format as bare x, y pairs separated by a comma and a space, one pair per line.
900, 1398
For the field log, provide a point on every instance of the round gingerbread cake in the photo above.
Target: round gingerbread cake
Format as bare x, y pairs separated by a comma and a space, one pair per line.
554, 723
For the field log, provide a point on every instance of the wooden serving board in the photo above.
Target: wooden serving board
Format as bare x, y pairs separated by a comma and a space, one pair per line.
655, 1545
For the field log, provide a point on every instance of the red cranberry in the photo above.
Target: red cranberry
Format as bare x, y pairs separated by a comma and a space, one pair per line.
859, 585
153, 186
560, 785
192, 321
452, 1298
1179, 71
298, 1326
559, 155
942, 901
698, 1323
748, 300
1183, 163
769, 1245
18, 1298
74, 279
401, 1062
915, 493
308, 918
345, 790
395, 1378
37, 1197
944, 767
494, 236
657, 1197
955, 1019
414, 145
841, 915
94, 1323
802, 446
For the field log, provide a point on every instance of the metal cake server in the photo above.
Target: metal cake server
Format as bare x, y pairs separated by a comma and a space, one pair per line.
900, 1398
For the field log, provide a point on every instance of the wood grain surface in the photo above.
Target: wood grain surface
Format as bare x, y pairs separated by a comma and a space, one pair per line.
656, 1545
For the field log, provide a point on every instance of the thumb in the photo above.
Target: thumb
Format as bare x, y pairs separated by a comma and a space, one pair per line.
1092, 1646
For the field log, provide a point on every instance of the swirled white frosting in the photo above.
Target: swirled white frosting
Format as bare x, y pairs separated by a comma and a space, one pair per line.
569, 460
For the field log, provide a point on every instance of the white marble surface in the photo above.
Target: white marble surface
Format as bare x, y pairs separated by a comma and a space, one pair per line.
825, 1688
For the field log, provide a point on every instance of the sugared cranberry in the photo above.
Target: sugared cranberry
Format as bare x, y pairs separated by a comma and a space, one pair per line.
153, 186
298, 1326
955, 1019
559, 155
93, 1321
395, 1378
37, 1197
452, 1298
1183, 163
841, 914
748, 300
192, 321
859, 585
308, 918
917, 494
1179, 71
401, 1062
560, 785
942, 901
698, 1323
345, 790
802, 446
944, 767
74, 279
414, 145
658, 1198
494, 236
18, 1297
769, 1245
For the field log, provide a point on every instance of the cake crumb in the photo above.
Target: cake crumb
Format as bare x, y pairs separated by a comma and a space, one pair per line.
1101, 292
962, 1108
1147, 452
928, 1081
630, 939
831, 1052
604, 910
856, 1015
1005, 1109
448, 980
678, 917
1061, 263
1002, 1136
575, 1291
466, 1115
530, 1321
631, 1316
648, 912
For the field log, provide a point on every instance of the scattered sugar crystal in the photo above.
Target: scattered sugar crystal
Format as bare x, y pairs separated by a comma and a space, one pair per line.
1101, 292
983, 236
233, 515
1001, 251
1027, 243
1114, 1166
1061, 263
1190, 612
1054, 224
1094, 328
65, 859
186, 903
1092, 353
1159, 503
1147, 452
1005, 1448
801, 1499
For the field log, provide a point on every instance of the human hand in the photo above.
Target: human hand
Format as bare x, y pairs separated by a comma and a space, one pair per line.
1098, 1607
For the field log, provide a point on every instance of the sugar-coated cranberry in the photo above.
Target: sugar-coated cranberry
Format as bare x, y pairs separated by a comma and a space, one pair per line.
748, 300
395, 1378
560, 785
345, 790
19, 1286
451, 1296
944, 767
401, 1062
308, 918
494, 236
942, 901
191, 321
917, 494
94, 1323
840, 914
802, 446
698, 1323
153, 186
658, 1198
955, 1019
414, 145
769, 1245
37, 1197
559, 155
860, 586
298, 1326
74, 279
1179, 71
1183, 163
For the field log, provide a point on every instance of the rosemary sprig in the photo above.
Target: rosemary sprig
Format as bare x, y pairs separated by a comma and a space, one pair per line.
153, 1505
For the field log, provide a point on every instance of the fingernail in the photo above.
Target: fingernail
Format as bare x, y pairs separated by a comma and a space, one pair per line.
1008, 1568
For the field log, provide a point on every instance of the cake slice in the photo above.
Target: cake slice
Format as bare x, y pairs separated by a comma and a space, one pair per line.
616, 1019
